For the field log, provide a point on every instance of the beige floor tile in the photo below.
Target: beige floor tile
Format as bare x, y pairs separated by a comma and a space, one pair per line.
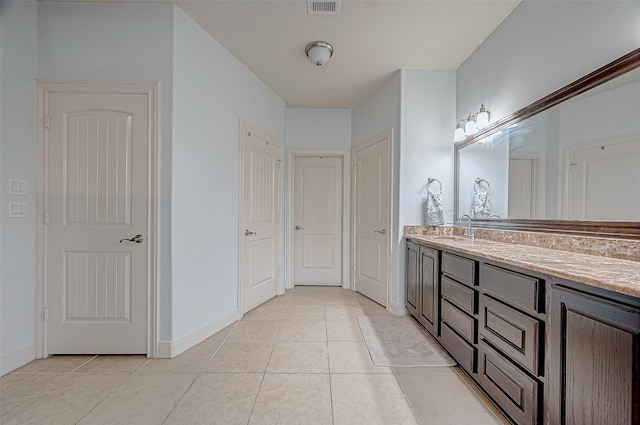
241, 357
426, 370
142, 399
16, 389
305, 312
293, 400
352, 357
55, 364
342, 312
307, 298
191, 361
344, 297
303, 330
222, 334
442, 407
299, 357
370, 400
280, 299
266, 312
250, 330
375, 310
343, 331
220, 399
365, 300
66, 400
106, 364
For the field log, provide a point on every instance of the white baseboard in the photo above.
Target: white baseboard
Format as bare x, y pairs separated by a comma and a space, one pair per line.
16, 359
397, 309
170, 349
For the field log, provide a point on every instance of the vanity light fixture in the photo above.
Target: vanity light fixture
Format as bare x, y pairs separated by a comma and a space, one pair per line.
470, 126
458, 135
319, 52
482, 119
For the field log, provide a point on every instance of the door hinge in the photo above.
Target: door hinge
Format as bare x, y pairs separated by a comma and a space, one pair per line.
47, 121
46, 314
46, 217
279, 163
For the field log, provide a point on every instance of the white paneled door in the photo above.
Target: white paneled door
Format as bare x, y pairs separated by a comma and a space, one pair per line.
260, 193
603, 183
372, 218
317, 206
96, 196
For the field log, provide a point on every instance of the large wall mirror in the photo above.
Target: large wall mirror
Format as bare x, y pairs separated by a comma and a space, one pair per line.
568, 163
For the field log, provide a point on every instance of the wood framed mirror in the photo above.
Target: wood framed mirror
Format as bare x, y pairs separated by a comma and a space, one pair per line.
567, 163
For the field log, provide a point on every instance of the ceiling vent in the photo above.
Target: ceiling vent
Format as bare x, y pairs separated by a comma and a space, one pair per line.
323, 7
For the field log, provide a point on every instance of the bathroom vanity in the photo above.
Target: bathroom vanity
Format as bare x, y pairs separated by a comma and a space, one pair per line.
552, 337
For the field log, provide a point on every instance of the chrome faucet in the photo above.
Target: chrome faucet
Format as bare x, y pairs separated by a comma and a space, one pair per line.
468, 232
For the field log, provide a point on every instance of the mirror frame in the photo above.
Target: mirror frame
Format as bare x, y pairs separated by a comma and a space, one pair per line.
606, 229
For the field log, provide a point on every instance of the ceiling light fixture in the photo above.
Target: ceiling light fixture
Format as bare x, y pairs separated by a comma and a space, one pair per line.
319, 52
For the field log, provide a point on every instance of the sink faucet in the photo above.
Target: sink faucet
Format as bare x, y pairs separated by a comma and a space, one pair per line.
468, 232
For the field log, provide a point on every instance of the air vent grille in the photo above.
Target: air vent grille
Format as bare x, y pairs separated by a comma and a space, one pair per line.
323, 7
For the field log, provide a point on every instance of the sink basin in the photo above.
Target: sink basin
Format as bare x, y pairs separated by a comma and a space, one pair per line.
450, 238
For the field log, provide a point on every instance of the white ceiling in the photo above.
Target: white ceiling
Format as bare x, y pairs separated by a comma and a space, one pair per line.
372, 39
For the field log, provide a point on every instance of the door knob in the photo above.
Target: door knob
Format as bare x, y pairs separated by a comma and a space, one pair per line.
249, 233
382, 232
299, 228
136, 239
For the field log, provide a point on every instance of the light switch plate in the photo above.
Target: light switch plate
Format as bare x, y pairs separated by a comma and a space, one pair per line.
17, 209
17, 187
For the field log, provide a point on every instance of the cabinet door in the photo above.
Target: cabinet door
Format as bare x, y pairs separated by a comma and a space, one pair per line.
429, 285
412, 274
594, 363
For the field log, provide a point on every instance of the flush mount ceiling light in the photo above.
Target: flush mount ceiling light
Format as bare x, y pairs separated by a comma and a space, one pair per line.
319, 52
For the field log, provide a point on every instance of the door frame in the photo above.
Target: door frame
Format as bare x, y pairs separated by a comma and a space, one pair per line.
563, 194
242, 127
387, 134
149, 89
346, 195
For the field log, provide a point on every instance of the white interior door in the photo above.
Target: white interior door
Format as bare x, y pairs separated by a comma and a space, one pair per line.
372, 219
522, 188
317, 206
604, 183
260, 219
96, 194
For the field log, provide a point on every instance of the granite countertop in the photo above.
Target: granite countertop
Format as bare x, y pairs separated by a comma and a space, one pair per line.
621, 276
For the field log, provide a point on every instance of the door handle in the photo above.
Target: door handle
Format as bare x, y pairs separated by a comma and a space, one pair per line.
249, 233
299, 228
382, 232
136, 239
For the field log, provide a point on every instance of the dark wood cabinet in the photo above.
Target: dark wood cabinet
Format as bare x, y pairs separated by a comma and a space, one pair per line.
429, 284
422, 285
545, 350
412, 272
594, 360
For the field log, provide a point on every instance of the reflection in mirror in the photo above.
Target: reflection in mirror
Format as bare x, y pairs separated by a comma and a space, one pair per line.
579, 160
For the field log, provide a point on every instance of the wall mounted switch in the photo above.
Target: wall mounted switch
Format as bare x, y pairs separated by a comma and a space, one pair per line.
17, 209
17, 187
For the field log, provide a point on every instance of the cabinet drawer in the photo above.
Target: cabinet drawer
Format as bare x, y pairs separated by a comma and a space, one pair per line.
511, 331
464, 324
462, 296
464, 353
526, 291
514, 390
461, 269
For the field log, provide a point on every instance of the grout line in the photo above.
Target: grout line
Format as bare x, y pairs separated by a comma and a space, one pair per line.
219, 346
181, 398
94, 357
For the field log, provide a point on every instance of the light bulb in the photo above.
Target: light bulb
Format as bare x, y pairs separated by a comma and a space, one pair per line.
482, 119
470, 126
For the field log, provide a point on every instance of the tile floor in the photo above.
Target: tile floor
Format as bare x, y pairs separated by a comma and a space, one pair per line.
297, 359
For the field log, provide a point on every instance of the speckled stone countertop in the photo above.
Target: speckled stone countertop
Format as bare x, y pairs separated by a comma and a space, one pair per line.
621, 276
